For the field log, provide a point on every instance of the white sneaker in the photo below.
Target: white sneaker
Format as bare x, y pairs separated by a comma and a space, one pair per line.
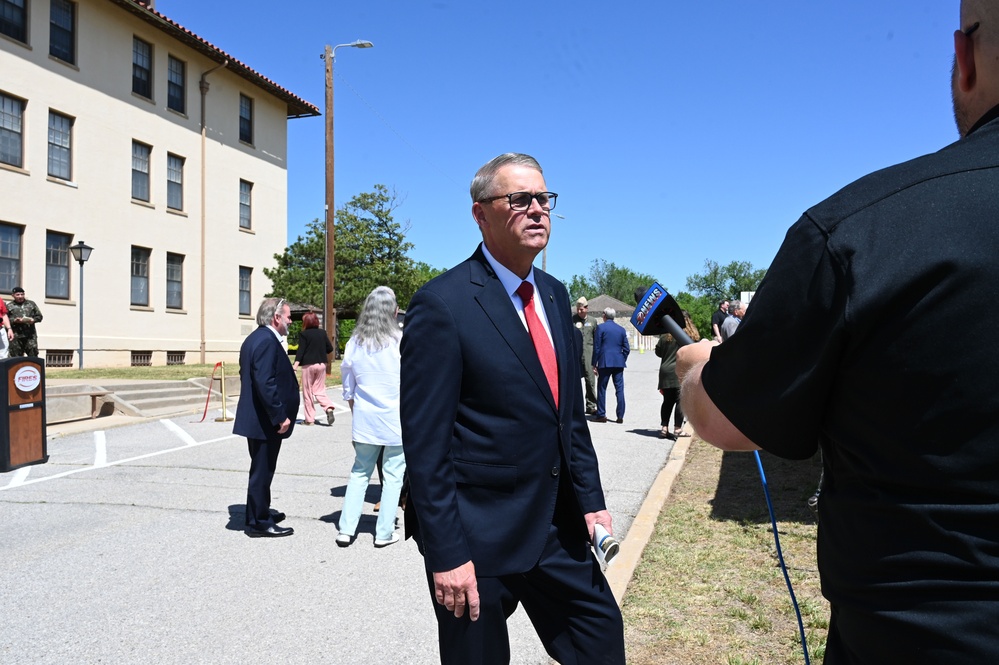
344, 540
385, 543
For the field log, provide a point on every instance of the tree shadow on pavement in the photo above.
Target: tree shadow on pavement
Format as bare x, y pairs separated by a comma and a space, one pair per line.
739, 495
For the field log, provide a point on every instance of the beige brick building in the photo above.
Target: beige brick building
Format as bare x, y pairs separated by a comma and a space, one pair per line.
168, 156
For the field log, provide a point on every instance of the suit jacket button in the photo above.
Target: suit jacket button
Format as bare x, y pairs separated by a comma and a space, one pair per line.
554, 471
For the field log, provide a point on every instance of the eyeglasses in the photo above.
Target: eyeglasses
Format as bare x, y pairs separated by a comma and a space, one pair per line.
522, 200
970, 31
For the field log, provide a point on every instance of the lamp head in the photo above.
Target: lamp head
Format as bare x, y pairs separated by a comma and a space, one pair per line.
81, 252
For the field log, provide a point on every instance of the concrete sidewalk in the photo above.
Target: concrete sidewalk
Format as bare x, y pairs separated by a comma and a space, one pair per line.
127, 546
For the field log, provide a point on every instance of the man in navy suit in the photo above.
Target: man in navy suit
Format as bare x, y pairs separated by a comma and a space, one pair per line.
266, 412
610, 355
504, 485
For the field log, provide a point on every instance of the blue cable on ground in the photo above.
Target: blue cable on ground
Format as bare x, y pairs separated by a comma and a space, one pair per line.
780, 555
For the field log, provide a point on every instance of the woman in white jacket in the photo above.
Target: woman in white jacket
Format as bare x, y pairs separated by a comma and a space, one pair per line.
370, 373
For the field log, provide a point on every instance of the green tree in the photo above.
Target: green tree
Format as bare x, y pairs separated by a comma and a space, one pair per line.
609, 279
720, 282
700, 309
370, 250
300, 270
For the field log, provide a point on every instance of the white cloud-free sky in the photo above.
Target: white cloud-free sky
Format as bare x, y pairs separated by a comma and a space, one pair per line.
673, 132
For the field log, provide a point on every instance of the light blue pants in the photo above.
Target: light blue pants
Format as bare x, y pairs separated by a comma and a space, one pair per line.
393, 468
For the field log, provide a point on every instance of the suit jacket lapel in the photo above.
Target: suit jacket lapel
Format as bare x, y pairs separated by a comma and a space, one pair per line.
496, 304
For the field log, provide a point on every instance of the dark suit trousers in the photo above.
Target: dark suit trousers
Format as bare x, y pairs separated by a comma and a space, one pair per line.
567, 598
605, 374
263, 463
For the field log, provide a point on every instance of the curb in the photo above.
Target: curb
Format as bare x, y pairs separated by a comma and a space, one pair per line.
620, 572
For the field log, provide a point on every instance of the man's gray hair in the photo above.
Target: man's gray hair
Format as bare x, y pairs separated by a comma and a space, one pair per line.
734, 305
376, 325
609, 313
482, 183
268, 308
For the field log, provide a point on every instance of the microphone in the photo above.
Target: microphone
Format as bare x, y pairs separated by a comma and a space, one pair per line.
605, 545
658, 313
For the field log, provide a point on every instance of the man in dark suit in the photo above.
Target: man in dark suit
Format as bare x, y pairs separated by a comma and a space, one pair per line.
610, 355
504, 485
266, 412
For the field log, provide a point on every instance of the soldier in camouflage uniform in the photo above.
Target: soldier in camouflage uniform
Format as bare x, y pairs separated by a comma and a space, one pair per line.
23, 315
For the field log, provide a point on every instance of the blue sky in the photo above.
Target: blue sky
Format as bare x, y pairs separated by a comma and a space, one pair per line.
673, 132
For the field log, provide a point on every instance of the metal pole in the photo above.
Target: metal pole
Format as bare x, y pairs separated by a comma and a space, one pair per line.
329, 312
80, 354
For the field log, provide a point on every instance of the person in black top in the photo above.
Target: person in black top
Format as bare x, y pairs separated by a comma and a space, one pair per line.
313, 351
843, 349
718, 318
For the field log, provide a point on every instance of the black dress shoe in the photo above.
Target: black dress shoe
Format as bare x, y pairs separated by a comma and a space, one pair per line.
269, 532
277, 516
619, 421
600, 419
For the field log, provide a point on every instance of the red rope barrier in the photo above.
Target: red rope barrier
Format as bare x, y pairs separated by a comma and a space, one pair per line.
211, 383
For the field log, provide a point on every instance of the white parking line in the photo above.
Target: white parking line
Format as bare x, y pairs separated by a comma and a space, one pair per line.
123, 461
100, 449
19, 476
179, 431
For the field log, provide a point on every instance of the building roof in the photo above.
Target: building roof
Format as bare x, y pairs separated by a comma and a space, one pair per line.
297, 107
603, 301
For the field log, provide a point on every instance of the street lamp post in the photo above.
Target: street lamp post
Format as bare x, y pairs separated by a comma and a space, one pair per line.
81, 254
329, 312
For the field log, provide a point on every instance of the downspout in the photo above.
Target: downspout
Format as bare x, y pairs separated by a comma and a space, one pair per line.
204, 191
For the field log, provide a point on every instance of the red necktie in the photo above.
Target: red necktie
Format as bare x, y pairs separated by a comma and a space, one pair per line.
543, 346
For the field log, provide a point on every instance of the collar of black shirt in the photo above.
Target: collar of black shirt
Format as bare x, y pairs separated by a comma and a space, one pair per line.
988, 117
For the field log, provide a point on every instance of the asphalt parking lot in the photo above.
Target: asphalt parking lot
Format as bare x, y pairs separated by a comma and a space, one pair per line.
127, 547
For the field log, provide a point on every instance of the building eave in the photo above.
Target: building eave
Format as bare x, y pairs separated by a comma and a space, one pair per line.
297, 107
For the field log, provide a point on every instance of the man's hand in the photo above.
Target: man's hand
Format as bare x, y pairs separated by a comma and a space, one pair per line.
284, 426
600, 517
457, 589
692, 355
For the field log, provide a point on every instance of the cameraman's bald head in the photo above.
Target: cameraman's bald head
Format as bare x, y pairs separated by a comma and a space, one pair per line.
975, 79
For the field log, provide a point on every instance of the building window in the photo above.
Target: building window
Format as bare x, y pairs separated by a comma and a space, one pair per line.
60, 146
244, 290
140, 276
56, 265
245, 119
175, 182
176, 85
11, 130
245, 199
176, 357
14, 20
174, 281
142, 68
10, 257
62, 35
140, 170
